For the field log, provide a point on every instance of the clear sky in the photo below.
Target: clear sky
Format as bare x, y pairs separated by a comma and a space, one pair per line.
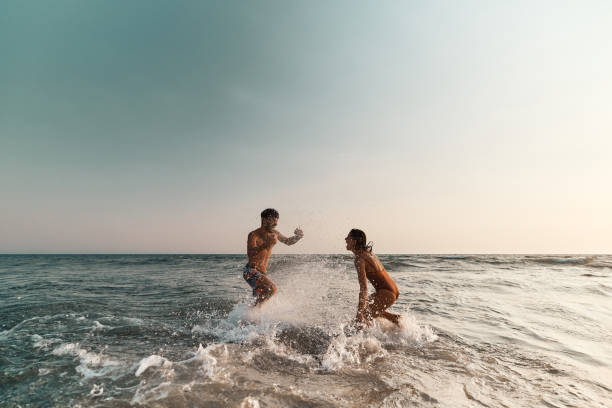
435, 126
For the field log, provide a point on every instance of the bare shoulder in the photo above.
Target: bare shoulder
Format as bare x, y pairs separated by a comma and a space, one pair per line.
255, 236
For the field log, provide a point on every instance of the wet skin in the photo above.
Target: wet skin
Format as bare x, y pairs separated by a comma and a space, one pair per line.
259, 248
369, 268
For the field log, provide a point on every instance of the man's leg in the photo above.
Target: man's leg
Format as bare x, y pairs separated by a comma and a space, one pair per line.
378, 302
265, 289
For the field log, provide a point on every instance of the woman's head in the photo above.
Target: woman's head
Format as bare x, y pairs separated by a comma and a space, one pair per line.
356, 240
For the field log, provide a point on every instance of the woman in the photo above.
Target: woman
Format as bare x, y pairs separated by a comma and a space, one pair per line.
368, 266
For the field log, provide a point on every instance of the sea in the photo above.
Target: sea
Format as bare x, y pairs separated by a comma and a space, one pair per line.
179, 331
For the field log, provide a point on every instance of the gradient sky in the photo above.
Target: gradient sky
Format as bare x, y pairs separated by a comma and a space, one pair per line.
435, 126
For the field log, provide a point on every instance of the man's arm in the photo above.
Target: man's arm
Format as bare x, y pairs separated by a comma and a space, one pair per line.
290, 241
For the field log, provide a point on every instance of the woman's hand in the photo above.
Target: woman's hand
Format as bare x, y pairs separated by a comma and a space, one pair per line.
361, 320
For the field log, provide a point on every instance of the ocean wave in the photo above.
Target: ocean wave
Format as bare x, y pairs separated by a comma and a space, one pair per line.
43, 343
272, 371
279, 349
114, 335
394, 265
588, 261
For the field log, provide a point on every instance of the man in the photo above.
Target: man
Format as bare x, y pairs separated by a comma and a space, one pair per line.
259, 249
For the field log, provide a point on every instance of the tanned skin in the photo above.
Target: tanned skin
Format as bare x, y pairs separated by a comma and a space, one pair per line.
259, 248
370, 268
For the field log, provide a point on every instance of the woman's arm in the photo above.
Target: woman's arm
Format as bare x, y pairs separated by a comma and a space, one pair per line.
363, 289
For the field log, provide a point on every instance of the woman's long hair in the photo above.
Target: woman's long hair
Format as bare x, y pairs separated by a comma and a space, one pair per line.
360, 240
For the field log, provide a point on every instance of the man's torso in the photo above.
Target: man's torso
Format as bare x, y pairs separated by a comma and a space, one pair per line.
259, 248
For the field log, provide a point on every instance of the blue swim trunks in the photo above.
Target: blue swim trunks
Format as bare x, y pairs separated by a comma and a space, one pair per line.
251, 275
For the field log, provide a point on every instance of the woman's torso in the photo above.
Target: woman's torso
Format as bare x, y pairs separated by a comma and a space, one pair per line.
377, 275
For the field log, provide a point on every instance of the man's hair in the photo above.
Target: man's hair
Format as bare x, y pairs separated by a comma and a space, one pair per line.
269, 213
360, 239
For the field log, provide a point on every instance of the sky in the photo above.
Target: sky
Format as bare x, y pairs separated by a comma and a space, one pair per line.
434, 126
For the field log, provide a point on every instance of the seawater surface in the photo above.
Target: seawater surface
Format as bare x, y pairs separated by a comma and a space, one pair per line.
177, 331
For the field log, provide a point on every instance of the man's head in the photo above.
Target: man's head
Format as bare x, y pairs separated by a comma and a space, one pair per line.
269, 218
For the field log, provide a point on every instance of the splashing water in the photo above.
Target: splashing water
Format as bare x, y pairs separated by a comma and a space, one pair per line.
180, 331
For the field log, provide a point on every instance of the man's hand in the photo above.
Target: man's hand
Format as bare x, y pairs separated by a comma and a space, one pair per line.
298, 233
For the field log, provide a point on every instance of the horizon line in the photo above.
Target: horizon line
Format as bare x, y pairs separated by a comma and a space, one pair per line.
308, 253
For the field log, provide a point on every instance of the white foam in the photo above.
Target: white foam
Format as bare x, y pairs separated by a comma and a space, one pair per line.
153, 361
97, 390
279, 349
187, 387
351, 351
133, 320
409, 331
311, 296
97, 326
87, 359
43, 371
249, 402
208, 359
143, 396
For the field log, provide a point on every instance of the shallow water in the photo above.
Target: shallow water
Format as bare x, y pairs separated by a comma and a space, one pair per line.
177, 331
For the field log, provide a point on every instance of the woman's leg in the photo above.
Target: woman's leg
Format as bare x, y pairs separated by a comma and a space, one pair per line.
378, 302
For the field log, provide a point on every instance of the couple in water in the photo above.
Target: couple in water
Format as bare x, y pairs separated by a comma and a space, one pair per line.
259, 249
